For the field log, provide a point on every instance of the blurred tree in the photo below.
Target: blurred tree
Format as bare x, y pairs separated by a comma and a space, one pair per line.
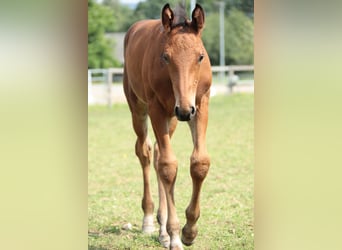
151, 9
246, 6
239, 36
211, 37
100, 19
123, 16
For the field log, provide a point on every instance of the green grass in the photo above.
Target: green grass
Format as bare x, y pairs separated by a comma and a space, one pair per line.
115, 178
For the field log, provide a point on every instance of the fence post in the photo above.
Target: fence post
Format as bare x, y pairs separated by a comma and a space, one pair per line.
90, 89
230, 79
109, 88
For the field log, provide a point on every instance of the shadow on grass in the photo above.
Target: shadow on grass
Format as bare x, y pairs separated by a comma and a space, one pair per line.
155, 238
112, 230
109, 230
96, 248
134, 234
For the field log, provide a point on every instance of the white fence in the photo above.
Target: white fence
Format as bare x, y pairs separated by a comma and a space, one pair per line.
113, 92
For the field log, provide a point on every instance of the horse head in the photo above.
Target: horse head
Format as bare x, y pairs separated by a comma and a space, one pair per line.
183, 53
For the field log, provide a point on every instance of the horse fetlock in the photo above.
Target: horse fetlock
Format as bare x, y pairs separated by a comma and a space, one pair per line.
147, 225
147, 205
161, 218
191, 215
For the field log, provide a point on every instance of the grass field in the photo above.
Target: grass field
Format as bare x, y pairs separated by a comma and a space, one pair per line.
115, 178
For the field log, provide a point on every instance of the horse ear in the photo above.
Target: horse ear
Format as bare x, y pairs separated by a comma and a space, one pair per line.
198, 18
167, 17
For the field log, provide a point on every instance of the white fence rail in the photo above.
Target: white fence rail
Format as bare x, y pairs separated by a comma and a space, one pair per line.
106, 76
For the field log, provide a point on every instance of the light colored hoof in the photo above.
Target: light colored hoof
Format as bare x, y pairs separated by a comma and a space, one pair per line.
176, 244
148, 229
164, 240
148, 226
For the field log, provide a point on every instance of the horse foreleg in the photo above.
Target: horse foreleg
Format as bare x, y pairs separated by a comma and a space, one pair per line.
199, 167
167, 171
164, 237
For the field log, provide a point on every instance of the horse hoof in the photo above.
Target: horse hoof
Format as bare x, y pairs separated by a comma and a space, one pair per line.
186, 242
189, 235
164, 240
176, 244
149, 229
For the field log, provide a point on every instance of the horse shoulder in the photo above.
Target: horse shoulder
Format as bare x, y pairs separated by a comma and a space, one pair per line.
205, 78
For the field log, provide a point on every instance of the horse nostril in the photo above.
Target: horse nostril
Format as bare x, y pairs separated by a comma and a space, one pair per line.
176, 110
193, 110
184, 115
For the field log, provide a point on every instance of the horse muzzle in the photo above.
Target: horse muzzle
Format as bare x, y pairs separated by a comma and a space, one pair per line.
185, 114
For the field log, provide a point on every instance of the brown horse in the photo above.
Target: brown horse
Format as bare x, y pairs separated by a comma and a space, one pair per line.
167, 76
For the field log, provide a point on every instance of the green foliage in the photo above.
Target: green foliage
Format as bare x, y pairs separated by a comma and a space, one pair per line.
115, 184
211, 37
123, 16
239, 36
151, 9
211, 6
99, 48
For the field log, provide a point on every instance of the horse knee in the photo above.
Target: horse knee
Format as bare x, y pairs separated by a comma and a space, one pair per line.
199, 166
167, 170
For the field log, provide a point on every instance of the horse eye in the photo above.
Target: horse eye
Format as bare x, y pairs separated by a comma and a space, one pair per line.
165, 57
200, 58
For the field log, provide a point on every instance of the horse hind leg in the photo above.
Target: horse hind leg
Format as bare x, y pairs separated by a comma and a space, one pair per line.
143, 150
164, 237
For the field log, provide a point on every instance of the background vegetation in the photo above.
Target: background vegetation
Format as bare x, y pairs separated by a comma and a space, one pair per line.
100, 20
112, 16
115, 182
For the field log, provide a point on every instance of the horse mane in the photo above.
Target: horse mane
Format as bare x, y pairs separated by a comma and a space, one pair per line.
180, 15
